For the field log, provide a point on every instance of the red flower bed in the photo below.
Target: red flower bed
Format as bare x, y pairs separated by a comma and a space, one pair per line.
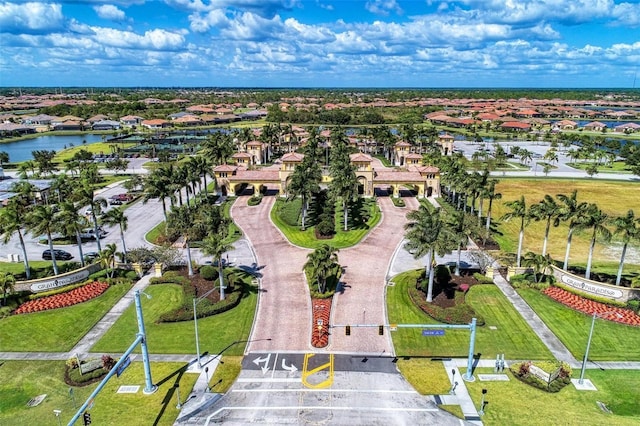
73, 297
623, 316
320, 326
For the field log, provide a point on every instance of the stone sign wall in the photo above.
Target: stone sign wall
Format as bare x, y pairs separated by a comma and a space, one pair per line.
612, 292
44, 284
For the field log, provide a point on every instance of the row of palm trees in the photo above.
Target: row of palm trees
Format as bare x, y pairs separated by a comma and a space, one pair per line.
579, 216
22, 215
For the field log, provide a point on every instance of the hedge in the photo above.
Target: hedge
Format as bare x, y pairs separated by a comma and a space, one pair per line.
461, 313
206, 309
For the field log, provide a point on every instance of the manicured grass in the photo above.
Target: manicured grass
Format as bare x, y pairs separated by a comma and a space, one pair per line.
516, 403
341, 239
226, 374
94, 148
615, 167
614, 198
610, 342
22, 380
17, 268
427, 376
512, 336
215, 332
56, 330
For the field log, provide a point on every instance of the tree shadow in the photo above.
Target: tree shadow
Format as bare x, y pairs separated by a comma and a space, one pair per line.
171, 391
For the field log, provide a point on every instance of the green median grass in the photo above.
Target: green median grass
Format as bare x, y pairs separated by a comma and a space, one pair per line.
610, 341
56, 330
22, 380
512, 336
215, 332
516, 403
307, 238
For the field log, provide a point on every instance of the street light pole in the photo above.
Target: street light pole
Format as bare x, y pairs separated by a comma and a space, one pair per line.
197, 300
586, 352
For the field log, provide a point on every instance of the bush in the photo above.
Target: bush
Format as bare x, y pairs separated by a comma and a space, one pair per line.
460, 313
634, 305
208, 272
482, 279
326, 225
521, 371
398, 202
255, 200
205, 308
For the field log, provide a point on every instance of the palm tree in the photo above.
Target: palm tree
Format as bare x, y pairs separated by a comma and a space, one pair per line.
538, 262
70, 221
13, 221
305, 181
115, 217
7, 283
629, 227
595, 219
518, 211
323, 263
426, 233
461, 227
107, 258
344, 183
215, 245
42, 220
573, 212
157, 185
547, 209
85, 196
491, 194
182, 220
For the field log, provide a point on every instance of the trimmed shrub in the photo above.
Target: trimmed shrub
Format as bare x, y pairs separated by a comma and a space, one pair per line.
634, 305
482, 279
255, 200
205, 308
326, 225
522, 372
460, 313
208, 272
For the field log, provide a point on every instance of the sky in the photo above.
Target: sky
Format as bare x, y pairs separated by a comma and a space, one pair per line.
321, 43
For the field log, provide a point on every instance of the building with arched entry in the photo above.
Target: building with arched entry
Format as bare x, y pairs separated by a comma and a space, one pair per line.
423, 180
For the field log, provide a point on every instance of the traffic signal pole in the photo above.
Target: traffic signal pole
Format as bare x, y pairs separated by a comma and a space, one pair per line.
468, 376
140, 339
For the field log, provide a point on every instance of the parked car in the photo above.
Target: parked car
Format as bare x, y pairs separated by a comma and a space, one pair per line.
60, 254
91, 256
115, 202
90, 233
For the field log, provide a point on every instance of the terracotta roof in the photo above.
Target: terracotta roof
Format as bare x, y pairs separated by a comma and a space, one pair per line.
403, 143
293, 157
225, 168
256, 175
360, 157
398, 177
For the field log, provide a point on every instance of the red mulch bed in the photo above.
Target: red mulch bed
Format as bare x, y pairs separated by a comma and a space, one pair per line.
62, 300
582, 304
201, 285
443, 301
320, 325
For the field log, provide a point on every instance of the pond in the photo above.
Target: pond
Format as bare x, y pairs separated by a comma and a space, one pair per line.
21, 150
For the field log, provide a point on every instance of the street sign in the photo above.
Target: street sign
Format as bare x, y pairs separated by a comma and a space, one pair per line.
123, 366
433, 332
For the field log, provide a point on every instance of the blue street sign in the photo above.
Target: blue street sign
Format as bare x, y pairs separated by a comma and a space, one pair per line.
433, 332
123, 366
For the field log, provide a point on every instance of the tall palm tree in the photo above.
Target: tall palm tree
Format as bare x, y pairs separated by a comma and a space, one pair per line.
573, 212
13, 221
461, 227
518, 211
322, 263
215, 245
157, 185
117, 217
72, 222
107, 258
547, 209
629, 227
7, 283
305, 179
86, 197
491, 194
344, 184
595, 219
43, 220
182, 220
426, 234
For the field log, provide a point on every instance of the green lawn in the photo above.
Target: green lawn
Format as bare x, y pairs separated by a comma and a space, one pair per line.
516, 403
610, 342
341, 239
512, 335
56, 330
615, 167
215, 332
22, 380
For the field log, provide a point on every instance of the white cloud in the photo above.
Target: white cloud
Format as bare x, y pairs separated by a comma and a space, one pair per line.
152, 40
249, 26
627, 14
296, 30
383, 7
202, 23
110, 12
31, 18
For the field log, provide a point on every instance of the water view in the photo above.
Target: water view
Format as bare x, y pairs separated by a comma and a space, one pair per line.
21, 150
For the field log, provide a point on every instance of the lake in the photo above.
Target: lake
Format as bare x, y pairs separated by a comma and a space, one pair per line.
21, 150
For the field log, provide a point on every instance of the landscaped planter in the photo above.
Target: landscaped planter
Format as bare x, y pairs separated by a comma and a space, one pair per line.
320, 327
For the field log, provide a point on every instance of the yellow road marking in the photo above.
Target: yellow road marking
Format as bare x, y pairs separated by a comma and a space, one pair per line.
307, 373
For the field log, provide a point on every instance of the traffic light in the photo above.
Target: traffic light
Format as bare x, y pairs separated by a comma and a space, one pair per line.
347, 330
381, 330
86, 417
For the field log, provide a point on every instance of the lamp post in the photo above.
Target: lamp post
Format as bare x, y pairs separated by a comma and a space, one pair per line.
481, 412
197, 300
57, 413
586, 352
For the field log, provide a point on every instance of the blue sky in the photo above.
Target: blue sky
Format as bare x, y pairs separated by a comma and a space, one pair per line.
320, 43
